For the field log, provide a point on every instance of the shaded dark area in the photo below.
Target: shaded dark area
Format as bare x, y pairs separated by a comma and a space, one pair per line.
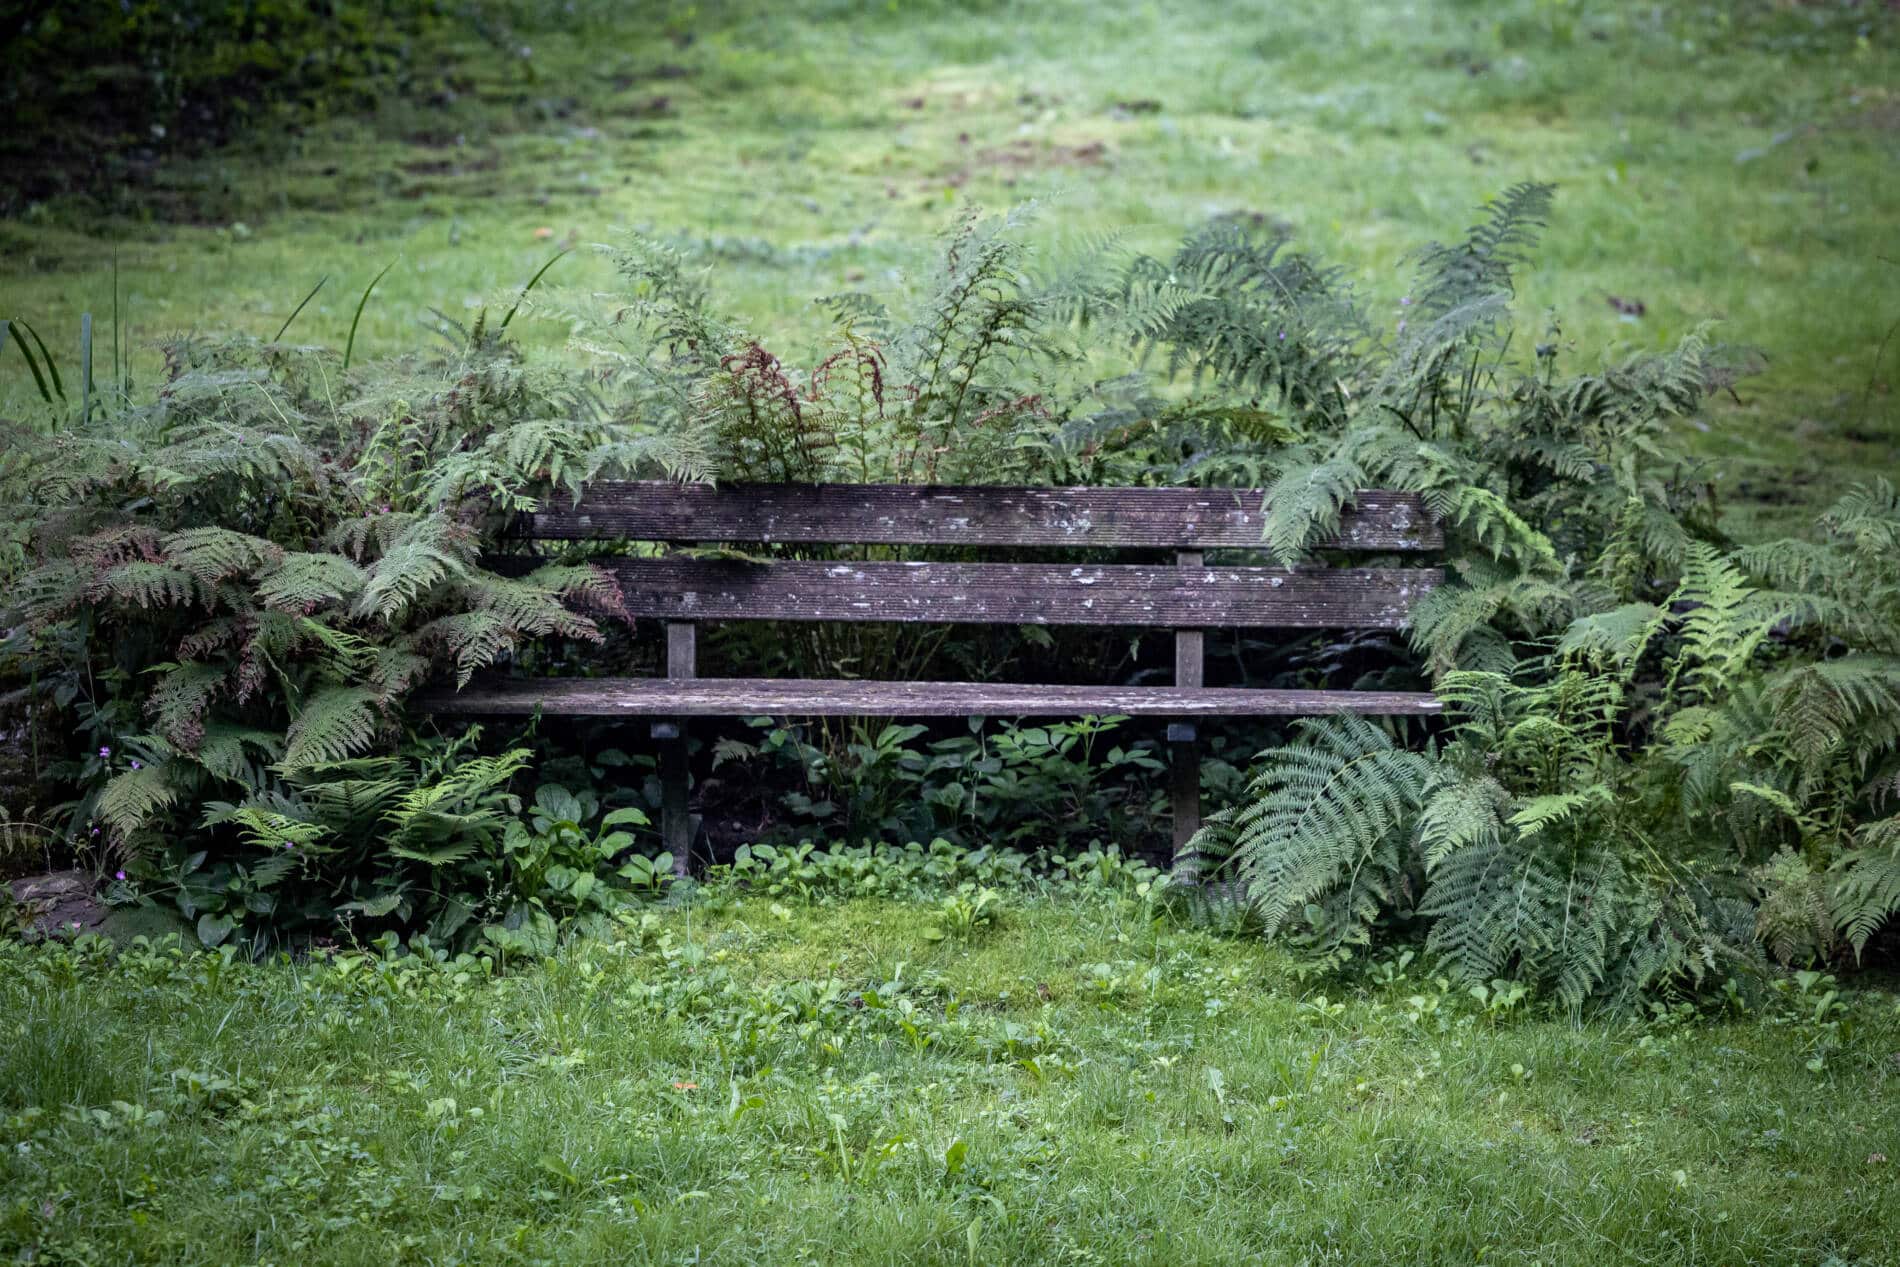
98, 94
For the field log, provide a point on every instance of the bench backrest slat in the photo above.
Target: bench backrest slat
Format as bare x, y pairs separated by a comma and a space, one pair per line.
913, 514
679, 588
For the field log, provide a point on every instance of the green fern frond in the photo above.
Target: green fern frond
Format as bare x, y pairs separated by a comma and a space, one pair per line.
226, 752
1494, 527
1461, 811
1724, 627
1617, 637
431, 551
1539, 813
145, 584
1305, 503
336, 723
216, 554
304, 582
1821, 705
133, 798
276, 833
179, 703
1866, 891
1321, 809
474, 640
1485, 261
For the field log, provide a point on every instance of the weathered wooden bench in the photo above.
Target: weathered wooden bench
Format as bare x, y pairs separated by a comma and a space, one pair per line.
1184, 595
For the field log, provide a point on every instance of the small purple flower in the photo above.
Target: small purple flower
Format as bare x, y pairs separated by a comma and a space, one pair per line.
95, 831
105, 752
135, 765
1283, 336
1406, 302
120, 875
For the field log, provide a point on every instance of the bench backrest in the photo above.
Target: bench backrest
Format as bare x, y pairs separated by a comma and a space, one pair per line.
1182, 595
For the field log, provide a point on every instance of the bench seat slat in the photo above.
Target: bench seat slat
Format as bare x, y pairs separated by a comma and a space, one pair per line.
728, 697
974, 515
1023, 593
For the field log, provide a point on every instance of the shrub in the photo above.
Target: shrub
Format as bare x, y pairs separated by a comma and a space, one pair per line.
1663, 749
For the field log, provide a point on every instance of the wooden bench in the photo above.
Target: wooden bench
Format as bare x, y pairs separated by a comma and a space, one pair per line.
1182, 594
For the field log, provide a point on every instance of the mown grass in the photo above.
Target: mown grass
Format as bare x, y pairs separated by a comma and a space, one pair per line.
1727, 162
1079, 1083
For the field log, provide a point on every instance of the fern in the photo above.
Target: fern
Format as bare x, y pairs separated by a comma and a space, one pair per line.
304, 583
1866, 890
334, 724
181, 700
1486, 260
429, 551
1319, 822
1462, 810
216, 554
134, 798
1304, 505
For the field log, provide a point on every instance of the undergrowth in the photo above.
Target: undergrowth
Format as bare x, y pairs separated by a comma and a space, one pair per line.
1669, 758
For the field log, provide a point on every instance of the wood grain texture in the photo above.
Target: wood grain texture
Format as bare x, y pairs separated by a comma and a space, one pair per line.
1190, 645
974, 515
682, 649
739, 697
1023, 593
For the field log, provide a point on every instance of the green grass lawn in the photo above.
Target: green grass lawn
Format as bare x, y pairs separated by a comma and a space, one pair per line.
1718, 162
770, 1081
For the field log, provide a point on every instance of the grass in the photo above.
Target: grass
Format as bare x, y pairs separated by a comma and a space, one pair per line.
753, 1080
1727, 162
1079, 1083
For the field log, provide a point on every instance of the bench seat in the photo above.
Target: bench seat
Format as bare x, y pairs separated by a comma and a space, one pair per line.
773, 697
698, 578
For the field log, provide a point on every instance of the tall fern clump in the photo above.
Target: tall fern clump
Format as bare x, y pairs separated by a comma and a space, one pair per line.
1665, 754
962, 387
229, 593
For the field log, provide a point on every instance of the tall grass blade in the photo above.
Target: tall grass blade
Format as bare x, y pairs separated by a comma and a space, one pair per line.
39, 380
530, 286
350, 347
52, 368
118, 365
300, 307
85, 367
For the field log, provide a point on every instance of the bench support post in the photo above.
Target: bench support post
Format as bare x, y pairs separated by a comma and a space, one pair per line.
676, 818
1184, 753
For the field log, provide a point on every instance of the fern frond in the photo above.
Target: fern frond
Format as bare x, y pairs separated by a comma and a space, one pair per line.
336, 723
1460, 812
1322, 808
225, 751
1485, 261
1866, 891
1820, 705
1304, 505
305, 582
145, 584
1553, 809
179, 703
133, 798
215, 554
432, 550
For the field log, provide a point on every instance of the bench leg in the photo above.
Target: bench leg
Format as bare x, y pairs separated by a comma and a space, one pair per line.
1184, 760
676, 820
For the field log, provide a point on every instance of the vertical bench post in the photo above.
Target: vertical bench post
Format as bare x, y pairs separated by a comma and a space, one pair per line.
676, 820
1184, 754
